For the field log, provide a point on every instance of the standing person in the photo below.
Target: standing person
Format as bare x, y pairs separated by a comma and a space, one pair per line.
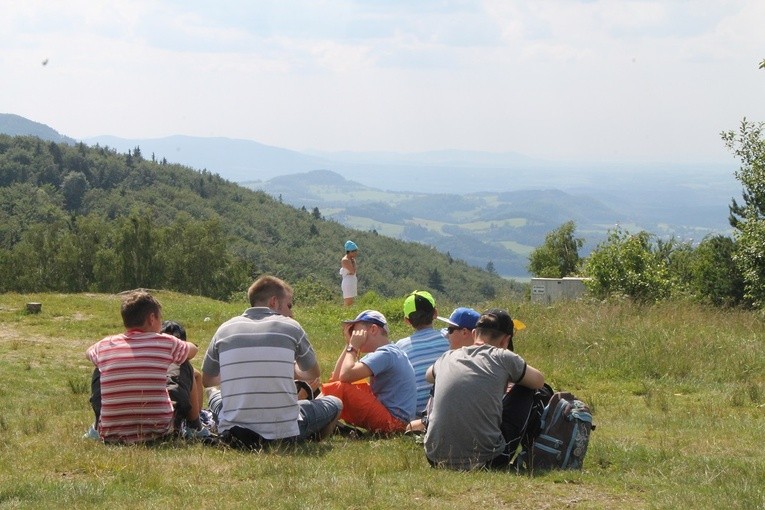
466, 421
388, 402
255, 359
426, 344
350, 282
130, 397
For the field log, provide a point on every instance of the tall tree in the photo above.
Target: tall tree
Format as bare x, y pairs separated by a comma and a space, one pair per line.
749, 218
74, 187
628, 264
559, 255
136, 245
435, 281
749, 146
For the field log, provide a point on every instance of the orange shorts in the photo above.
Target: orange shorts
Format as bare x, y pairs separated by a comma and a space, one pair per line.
362, 409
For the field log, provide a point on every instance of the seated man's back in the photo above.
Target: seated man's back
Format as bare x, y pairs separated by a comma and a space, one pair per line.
465, 427
425, 345
134, 404
255, 354
255, 359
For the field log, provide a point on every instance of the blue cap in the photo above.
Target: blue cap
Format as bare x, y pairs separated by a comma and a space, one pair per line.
462, 318
350, 246
372, 316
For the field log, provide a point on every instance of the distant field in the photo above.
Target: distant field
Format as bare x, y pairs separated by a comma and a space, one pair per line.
677, 391
331, 194
386, 229
684, 203
518, 248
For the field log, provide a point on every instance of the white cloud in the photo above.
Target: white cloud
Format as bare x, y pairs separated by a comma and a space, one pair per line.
573, 79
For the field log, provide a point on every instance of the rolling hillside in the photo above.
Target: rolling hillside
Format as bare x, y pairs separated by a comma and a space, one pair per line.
501, 227
74, 210
476, 207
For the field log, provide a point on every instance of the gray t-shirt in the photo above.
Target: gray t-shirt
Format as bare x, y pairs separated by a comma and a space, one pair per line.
464, 423
255, 355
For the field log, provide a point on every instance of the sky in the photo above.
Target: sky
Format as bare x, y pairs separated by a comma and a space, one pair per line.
562, 80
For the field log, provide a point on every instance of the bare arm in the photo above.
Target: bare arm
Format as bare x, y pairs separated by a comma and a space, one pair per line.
310, 375
430, 375
193, 350
348, 265
352, 370
533, 378
210, 380
348, 368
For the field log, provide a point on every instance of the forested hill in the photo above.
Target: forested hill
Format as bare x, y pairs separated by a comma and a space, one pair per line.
75, 218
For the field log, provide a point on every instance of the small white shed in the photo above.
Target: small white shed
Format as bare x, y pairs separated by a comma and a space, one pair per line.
549, 290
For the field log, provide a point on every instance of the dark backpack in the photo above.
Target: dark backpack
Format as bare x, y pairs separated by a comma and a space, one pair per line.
522, 410
564, 434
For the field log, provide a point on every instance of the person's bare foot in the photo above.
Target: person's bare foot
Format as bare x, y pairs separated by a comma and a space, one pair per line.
415, 427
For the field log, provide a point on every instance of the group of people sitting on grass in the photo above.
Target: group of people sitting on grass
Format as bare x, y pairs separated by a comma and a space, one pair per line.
263, 381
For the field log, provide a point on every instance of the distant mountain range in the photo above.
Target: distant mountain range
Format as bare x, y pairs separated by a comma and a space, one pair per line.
504, 226
15, 125
479, 207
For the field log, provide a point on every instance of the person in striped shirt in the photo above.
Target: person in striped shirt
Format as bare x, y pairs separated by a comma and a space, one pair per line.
134, 403
254, 359
425, 345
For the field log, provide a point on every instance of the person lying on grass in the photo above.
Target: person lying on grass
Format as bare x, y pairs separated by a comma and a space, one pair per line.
132, 403
388, 402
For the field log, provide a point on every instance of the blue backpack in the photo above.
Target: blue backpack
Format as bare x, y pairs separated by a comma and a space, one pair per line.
564, 434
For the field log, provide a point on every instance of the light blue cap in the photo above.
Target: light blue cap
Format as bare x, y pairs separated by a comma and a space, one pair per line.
350, 246
372, 316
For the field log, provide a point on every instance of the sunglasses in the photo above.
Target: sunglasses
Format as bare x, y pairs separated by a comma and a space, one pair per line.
452, 329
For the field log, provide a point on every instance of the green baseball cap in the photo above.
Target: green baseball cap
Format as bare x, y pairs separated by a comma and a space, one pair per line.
419, 300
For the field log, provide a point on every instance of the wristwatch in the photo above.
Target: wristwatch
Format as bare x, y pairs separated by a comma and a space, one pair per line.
351, 348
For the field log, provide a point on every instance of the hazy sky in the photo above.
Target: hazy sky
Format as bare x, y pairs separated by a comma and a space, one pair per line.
571, 80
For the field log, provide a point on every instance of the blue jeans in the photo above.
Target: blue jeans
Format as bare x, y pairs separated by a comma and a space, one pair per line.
316, 414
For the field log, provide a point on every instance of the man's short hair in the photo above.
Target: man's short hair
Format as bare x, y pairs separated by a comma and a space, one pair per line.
494, 324
136, 308
266, 287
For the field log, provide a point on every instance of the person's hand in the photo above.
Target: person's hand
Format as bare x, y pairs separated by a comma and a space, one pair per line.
315, 383
358, 338
347, 329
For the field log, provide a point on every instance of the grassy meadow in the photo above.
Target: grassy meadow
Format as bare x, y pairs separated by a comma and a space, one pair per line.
677, 391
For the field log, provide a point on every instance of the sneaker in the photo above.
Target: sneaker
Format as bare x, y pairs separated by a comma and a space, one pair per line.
200, 433
207, 419
350, 431
92, 433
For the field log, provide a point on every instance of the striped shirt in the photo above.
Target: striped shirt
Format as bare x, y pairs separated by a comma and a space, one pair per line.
423, 348
255, 355
135, 405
